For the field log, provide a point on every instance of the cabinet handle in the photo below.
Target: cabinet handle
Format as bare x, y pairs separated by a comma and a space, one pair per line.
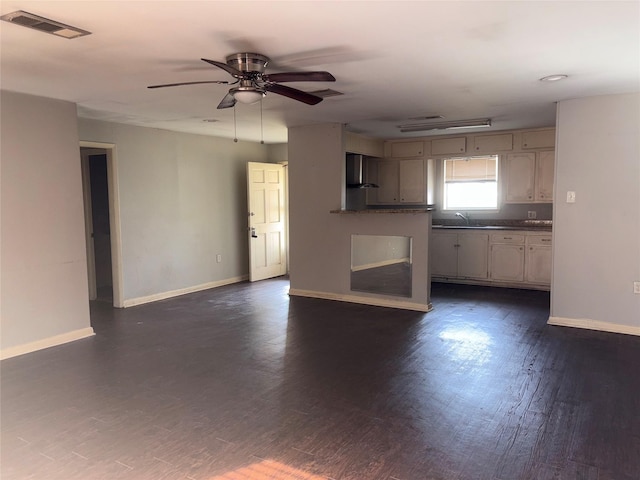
507, 238
545, 239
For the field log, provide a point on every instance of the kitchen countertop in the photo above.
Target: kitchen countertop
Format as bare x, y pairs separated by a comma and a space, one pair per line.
532, 225
384, 210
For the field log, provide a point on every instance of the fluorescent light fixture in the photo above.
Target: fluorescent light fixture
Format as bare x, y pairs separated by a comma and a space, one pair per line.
42, 24
247, 95
452, 125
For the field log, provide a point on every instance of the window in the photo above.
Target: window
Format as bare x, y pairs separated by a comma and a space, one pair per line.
471, 183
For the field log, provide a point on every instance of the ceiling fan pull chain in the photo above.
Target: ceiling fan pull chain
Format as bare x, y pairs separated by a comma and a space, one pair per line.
235, 126
261, 127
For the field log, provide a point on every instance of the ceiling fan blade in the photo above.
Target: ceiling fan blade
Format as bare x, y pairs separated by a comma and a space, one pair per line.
186, 83
299, 77
230, 70
293, 93
227, 102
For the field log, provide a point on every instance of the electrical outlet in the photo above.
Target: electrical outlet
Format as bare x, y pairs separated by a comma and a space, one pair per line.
636, 287
571, 197
531, 214
218, 258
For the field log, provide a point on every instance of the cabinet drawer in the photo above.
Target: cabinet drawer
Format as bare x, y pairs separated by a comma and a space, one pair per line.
449, 145
539, 240
507, 238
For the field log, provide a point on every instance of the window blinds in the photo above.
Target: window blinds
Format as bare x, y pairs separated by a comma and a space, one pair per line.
471, 169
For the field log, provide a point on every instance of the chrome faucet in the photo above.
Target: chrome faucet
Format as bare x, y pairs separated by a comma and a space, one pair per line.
464, 217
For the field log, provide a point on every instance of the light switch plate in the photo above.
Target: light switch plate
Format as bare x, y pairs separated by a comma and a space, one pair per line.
571, 197
636, 287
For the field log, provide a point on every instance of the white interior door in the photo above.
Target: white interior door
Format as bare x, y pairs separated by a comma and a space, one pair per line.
267, 215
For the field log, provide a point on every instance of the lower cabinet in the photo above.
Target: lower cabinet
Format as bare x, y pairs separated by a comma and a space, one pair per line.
507, 257
459, 255
520, 259
538, 256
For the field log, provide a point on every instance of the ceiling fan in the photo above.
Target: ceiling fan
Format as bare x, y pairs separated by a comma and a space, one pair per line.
248, 70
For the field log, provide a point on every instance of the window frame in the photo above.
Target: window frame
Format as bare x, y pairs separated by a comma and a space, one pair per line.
442, 186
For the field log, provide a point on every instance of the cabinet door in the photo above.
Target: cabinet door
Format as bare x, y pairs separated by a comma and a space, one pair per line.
388, 182
519, 177
407, 149
493, 143
443, 254
544, 177
473, 255
539, 264
443, 146
507, 262
539, 139
413, 187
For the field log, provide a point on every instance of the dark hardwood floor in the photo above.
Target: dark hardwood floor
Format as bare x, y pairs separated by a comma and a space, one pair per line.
243, 382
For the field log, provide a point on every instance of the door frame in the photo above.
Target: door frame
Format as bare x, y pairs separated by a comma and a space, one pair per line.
285, 219
285, 164
114, 222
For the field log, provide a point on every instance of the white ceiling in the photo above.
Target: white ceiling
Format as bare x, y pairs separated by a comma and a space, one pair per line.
392, 60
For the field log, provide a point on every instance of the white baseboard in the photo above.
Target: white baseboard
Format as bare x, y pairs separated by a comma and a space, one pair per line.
132, 302
374, 301
594, 325
46, 343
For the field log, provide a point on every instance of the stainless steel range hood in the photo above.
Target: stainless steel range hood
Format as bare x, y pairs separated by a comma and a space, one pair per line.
355, 172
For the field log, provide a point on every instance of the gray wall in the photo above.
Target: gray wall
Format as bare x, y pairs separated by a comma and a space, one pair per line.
320, 242
44, 290
596, 240
183, 201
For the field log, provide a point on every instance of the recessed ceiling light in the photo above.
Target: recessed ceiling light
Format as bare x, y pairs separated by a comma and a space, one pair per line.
42, 24
554, 78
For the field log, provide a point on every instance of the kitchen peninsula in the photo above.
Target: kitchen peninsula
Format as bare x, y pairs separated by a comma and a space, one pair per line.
321, 241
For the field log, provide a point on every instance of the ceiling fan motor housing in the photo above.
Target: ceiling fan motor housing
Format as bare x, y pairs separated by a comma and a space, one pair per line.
248, 62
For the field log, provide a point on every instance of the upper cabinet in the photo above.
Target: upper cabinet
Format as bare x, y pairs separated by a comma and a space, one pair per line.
545, 138
493, 143
402, 181
529, 177
445, 146
544, 176
355, 143
407, 149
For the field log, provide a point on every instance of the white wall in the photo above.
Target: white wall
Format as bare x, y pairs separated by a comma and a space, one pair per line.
596, 240
183, 201
44, 292
320, 242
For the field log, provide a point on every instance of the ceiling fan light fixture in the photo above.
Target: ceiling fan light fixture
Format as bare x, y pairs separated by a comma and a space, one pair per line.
247, 95
452, 125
